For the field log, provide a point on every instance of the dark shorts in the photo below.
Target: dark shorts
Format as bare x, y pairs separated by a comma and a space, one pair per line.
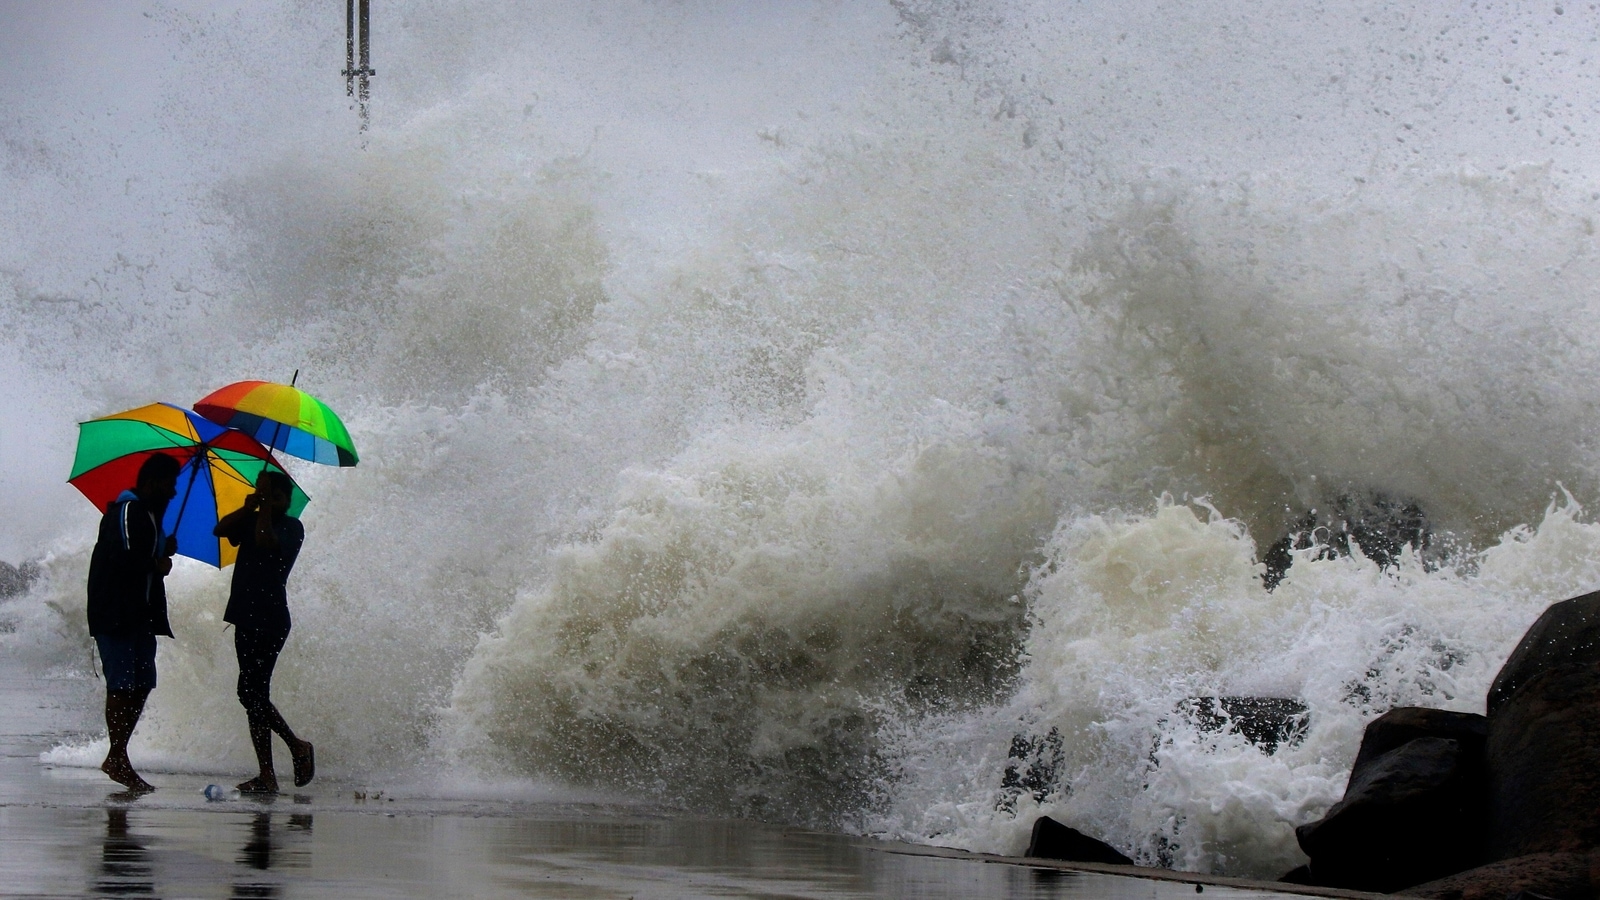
129, 663
257, 650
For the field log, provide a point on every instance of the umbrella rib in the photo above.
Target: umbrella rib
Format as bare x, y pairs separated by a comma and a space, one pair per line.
172, 438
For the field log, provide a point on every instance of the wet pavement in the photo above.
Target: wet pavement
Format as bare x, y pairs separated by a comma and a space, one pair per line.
67, 832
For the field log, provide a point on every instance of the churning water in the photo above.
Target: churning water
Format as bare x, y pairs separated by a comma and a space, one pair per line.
788, 409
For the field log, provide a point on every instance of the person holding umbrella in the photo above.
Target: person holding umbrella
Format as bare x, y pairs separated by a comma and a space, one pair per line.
128, 604
268, 537
281, 417
269, 540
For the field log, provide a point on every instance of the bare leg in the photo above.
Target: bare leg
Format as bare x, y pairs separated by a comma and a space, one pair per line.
300, 751
123, 709
265, 720
261, 740
258, 654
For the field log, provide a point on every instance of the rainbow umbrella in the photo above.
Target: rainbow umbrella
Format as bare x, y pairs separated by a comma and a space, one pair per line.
219, 469
284, 418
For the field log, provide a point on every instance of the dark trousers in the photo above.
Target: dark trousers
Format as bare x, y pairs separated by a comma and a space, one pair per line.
258, 651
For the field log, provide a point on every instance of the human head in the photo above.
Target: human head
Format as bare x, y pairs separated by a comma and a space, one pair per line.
158, 479
276, 487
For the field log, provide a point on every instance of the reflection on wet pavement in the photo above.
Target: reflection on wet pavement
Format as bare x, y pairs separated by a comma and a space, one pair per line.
273, 846
64, 833
124, 863
275, 850
263, 852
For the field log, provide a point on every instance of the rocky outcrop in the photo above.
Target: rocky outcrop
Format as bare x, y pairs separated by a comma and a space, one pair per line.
1537, 876
1266, 722
1566, 636
1413, 808
1381, 525
15, 580
1544, 737
1053, 840
1033, 765
1462, 807
1398, 727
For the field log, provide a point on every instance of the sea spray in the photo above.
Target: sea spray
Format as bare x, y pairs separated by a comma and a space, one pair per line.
771, 413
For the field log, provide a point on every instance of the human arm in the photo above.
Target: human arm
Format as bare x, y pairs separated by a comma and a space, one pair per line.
163, 562
236, 525
266, 536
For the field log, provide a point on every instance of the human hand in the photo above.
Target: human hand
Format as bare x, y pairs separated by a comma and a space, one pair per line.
163, 565
172, 545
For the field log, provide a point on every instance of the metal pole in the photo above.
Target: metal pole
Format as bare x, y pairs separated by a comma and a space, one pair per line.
349, 48
365, 91
358, 69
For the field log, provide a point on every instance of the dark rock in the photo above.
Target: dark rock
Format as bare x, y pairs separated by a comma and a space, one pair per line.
1381, 525
1411, 814
1544, 764
15, 580
1567, 635
1032, 765
1537, 876
1543, 748
1280, 556
1509, 803
1053, 840
1266, 722
1399, 727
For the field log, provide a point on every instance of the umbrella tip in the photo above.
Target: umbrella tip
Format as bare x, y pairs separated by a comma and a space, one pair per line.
295, 378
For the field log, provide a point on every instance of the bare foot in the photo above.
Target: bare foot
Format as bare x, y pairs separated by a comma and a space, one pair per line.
121, 771
305, 764
261, 784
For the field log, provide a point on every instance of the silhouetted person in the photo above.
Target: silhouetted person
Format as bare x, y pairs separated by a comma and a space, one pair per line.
268, 539
128, 604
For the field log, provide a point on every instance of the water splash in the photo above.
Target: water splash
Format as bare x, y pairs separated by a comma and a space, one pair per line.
771, 413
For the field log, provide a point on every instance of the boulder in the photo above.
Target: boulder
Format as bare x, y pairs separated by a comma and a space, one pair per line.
1032, 765
1411, 813
1537, 876
1566, 636
1297, 875
1405, 724
1381, 525
1544, 765
15, 580
1053, 840
1266, 722
1464, 807
1543, 746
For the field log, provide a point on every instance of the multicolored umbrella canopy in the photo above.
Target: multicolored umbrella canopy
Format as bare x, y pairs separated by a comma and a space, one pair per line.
220, 468
284, 418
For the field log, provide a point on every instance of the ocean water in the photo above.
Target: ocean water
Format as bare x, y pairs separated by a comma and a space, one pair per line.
776, 410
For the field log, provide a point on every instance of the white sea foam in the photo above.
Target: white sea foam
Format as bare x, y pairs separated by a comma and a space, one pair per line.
778, 412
